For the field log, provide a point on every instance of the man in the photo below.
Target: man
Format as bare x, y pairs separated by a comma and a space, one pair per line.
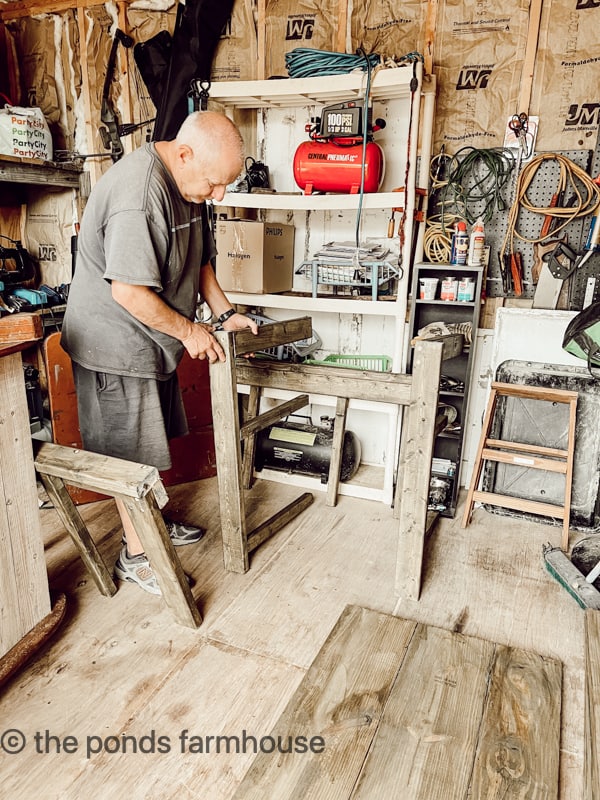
143, 257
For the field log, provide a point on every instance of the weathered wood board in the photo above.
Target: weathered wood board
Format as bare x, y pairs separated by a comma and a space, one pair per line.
592, 705
405, 710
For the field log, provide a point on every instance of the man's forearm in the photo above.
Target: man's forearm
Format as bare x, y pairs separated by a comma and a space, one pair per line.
147, 306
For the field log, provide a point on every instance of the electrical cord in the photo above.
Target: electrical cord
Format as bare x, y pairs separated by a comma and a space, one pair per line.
437, 240
306, 62
584, 198
365, 116
475, 181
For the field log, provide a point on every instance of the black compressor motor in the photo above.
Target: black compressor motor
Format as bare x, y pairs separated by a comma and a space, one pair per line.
305, 449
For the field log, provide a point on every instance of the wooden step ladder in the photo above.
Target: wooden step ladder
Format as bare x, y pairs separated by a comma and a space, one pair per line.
525, 455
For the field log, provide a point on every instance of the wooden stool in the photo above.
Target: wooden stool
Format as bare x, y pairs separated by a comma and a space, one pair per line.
140, 489
525, 455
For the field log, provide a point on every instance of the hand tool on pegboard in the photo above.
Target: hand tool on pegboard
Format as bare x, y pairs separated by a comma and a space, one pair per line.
562, 263
584, 200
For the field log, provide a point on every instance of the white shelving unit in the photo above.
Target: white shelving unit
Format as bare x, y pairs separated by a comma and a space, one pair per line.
284, 107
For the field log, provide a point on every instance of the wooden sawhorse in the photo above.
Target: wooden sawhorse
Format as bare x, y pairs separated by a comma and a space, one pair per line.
140, 489
418, 393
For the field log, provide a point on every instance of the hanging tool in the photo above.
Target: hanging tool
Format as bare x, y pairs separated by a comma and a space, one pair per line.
392, 221
516, 271
198, 95
557, 266
110, 134
539, 251
549, 219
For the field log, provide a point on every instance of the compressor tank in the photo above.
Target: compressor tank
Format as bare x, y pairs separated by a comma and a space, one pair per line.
305, 449
332, 167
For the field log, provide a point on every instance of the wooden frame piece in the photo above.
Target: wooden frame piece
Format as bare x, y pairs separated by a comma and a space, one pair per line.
140, 489
419, 392
237, 540
591, 769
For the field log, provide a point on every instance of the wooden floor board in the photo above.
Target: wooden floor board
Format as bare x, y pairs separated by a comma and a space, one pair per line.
288, 610
427, 738
340, 701
518, 755
121, 664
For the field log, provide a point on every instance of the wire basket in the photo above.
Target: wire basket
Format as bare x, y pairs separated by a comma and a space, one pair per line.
340, 273
373, 363
294, 351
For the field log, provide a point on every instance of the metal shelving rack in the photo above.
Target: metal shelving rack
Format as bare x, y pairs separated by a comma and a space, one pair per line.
449, 444
281, 106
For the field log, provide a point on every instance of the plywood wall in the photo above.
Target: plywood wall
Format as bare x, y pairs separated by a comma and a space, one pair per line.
541, 57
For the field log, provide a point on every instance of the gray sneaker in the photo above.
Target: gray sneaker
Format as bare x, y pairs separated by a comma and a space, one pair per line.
183, 534
180, 534
136, 569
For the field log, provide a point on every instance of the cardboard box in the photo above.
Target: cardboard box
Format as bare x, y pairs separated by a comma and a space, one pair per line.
255, 257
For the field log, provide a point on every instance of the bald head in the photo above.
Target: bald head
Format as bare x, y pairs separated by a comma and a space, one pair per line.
207, 131
205, 157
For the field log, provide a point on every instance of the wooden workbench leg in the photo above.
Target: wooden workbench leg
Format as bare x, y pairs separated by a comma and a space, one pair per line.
76, 527
223, 391
250, 441
337, 450
150, 527
414, 470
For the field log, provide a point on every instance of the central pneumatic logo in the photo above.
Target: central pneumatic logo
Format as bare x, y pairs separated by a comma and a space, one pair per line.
473, 78
299, 28
347, 157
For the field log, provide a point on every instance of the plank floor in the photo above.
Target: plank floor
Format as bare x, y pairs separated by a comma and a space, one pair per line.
140, 697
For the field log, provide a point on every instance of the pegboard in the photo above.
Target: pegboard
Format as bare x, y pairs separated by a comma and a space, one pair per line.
584, 283
539, 193
529, 224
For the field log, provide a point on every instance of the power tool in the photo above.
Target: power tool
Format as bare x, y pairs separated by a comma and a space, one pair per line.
340, 156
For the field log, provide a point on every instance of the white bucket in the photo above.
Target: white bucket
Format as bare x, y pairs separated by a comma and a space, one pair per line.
427, 288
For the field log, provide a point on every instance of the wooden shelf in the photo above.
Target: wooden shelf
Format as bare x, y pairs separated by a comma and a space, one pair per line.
296, 201
387, 84
42, 173
341, 305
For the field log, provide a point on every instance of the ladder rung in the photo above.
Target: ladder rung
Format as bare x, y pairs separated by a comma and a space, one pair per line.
519, 504
529, 461
527, 448
534, 392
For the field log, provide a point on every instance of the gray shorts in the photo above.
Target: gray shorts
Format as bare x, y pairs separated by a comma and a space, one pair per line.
128, 417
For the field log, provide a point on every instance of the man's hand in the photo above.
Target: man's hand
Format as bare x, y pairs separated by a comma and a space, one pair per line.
238, 322
202, 344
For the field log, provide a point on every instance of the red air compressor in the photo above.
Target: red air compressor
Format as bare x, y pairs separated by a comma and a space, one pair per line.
333, 160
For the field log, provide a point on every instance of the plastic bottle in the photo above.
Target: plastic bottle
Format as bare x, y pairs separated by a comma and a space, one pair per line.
460, 244
476, 245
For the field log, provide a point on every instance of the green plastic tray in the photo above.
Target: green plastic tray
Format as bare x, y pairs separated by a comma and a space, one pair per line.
375, 363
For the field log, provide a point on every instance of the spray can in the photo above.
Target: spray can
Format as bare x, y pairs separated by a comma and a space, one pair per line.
460, 245
476, 245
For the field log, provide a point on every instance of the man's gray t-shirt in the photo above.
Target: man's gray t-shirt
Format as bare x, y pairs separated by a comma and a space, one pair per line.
136, 229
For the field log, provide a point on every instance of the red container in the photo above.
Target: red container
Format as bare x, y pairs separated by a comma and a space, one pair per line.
331, 167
